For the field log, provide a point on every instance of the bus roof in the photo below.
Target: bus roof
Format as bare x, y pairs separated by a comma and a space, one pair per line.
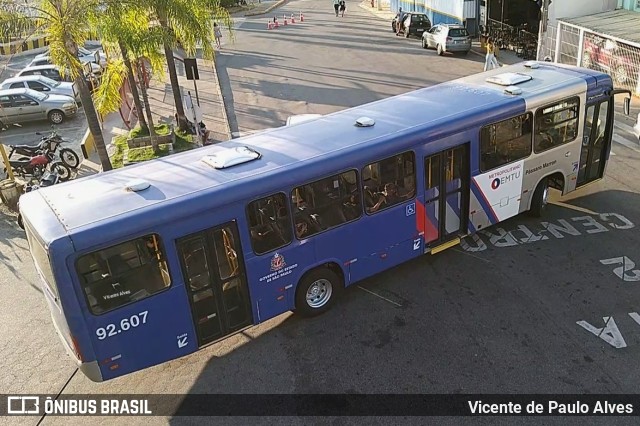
306, 150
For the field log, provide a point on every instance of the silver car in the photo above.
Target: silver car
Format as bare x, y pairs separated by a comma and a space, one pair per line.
24, 105
447, 38
43, 84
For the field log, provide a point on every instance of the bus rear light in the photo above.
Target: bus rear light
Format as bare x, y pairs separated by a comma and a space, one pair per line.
76, 348
114, 366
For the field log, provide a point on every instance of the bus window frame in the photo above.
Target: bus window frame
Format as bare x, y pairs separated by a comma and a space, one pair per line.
531, 118
290, 214
541, 108
415, 182
52, 286
358, 185
83, 253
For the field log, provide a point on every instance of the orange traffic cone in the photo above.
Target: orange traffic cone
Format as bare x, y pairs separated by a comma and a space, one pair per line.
293, 20
301, 17
284, 17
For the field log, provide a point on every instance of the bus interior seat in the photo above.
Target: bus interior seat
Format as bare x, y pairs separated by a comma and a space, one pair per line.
117, 265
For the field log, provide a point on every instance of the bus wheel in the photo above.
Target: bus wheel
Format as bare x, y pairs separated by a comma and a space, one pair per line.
316, 291
540, 197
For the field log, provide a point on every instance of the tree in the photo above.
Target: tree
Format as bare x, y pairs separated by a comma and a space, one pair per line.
186, 23
65, 24
127, 26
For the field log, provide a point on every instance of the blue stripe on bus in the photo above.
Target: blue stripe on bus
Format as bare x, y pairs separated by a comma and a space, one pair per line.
484, 203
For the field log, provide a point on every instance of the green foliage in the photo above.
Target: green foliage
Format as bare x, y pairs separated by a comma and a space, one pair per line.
108, 98
182, 143
120, 143
66, 26
161, 130
136, 155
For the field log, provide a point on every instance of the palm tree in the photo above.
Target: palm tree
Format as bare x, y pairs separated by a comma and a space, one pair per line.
186, 22
128, 27
65, 24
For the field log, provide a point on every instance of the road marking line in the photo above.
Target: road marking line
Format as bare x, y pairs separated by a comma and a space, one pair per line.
572, 207
381, 297
625, 142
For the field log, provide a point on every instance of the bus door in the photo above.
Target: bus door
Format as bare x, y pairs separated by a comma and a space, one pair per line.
595, 143
216, 282
446, 195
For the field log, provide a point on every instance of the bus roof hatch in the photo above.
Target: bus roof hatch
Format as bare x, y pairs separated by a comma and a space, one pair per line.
509, 78
231, 157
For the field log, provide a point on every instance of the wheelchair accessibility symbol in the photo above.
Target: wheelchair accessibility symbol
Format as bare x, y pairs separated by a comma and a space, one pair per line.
411, 209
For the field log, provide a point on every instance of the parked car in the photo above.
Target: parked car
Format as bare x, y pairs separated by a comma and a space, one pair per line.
414, 23
53, 72
447, 38
42, 84
607, 55
50, 71
85, 55
46, 60
24, 105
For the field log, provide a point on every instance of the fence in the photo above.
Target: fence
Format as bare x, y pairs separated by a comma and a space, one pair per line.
572, 45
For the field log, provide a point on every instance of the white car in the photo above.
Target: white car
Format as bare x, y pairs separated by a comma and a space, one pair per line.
40, 60
42, 84
85, 55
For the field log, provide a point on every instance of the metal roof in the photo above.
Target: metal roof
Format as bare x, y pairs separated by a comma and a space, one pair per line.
622, 24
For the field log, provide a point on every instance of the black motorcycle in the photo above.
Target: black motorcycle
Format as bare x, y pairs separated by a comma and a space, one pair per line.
48, 144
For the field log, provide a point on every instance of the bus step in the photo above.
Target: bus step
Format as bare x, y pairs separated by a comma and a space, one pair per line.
445, 246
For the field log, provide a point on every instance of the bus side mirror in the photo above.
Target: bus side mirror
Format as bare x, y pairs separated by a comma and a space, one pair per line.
627, 105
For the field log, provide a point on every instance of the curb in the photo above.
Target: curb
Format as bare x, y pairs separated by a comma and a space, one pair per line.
267, 10
224, 102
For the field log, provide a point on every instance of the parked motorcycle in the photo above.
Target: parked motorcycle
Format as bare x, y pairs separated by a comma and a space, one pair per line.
47, 144
47, 179
35, 167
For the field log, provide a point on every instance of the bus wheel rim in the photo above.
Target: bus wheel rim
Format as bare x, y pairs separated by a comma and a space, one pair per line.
319, 293
545, 196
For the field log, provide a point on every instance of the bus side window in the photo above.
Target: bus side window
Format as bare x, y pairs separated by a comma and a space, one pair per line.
397, 182
505, 141
269, 224
123, 273
556, 124
326, 203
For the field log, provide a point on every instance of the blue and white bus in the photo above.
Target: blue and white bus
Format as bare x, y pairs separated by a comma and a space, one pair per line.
152, 262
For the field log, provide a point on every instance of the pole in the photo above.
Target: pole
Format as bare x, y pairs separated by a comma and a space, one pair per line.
542, 31
5, 159
195, 86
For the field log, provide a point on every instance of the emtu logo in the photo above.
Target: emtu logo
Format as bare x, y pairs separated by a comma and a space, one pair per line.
495, 183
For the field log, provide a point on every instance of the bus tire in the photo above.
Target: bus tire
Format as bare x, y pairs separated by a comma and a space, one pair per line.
539, 200
316, 292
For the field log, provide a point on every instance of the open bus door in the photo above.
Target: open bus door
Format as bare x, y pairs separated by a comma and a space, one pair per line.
216, 282
595, 143
446, 197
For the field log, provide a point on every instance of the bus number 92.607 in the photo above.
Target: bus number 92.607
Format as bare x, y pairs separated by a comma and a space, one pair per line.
125, 324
